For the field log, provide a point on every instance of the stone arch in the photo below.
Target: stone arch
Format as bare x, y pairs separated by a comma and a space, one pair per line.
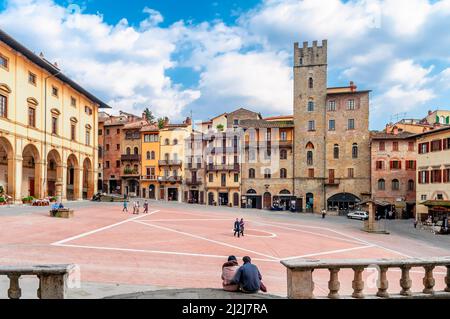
309, 146
54, 174
251, 191
31, 172
88, 179
73, 178
285, 192
5, 88
7, 166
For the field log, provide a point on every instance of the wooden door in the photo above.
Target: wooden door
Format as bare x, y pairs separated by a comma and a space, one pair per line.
267, 201
31, 186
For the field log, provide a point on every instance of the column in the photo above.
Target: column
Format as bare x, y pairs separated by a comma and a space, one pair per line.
18, 180
41, 182
78, 187
63, 183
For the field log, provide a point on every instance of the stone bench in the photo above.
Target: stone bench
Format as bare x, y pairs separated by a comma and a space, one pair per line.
62, 213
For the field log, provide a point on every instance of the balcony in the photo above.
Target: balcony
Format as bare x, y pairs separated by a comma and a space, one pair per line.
332, 182
194, 181
224, 167
149, 178
131, 158
169, 163
170, 179
130, 173
194, 166
286, 143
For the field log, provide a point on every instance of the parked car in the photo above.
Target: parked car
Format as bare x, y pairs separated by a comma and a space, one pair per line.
362, 215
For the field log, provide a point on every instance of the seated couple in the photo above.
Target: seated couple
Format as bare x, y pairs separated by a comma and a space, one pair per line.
246, 278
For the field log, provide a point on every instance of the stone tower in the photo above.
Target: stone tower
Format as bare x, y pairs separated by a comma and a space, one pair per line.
310, 96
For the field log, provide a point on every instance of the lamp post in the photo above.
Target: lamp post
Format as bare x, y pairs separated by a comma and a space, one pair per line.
45, 129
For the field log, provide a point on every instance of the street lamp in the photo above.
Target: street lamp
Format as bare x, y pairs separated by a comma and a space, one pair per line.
45, 129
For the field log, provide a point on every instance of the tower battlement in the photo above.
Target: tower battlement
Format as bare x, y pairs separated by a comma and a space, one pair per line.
310, 55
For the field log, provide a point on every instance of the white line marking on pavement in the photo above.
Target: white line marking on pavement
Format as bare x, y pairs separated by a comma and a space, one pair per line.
329, 252
183, 220
312, 233
162, 252
206, 239
271, 235
101, 229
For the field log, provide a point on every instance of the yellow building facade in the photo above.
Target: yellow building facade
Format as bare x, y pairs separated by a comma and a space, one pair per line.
172, 154
48, 128
150, 161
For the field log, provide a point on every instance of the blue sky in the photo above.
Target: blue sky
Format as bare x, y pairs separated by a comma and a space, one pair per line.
214, 56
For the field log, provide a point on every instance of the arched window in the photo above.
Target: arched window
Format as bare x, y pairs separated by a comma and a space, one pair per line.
311, 106
381, 184
310, 158
267, 173
128, 151
355, 150
411, 185
148, 155
251, 173
310, 146
283, 173
283, 154
395, 185
136, 151
167, 142
153, 155
166, 156
336, 151
175, 142
251, 191
311, 83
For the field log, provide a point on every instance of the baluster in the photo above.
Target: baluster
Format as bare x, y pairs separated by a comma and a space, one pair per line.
428, 280
358, 283
383, 283
334, 284
14, 291
405, 281
447, 279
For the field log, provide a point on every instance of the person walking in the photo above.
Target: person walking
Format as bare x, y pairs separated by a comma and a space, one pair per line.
415, 223
145, 207
242, 226
125, 206
137, 207
324, 213
237, 228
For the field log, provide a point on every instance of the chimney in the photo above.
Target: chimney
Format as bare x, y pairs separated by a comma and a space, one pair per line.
430, 112
395, 130
188, 121
353, 87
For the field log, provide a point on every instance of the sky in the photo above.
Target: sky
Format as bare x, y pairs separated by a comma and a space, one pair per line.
209, 57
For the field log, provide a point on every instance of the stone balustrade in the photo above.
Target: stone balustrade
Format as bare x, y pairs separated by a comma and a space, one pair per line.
52, 280
301, 285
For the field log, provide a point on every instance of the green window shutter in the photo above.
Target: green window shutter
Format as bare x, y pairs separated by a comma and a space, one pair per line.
437, 119
447, 120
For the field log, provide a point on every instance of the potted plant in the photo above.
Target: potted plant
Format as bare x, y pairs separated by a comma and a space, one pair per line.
2, 201
28, 199
53, 199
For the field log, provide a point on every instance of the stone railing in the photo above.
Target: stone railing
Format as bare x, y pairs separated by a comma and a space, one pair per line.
52, 280
301, 285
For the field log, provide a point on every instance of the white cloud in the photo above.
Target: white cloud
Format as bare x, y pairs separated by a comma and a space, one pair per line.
123, 65
262, 79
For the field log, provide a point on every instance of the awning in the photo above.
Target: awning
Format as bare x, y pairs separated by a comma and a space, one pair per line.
376, 202
434, 203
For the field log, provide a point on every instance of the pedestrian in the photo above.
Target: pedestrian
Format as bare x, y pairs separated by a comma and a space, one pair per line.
145, 207
236, 228
125, 206
248, 277
324, 213
242, 226
137, 207
415, 223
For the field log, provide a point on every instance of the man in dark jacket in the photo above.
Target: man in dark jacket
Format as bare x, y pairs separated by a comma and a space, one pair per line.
248, 277
237, 228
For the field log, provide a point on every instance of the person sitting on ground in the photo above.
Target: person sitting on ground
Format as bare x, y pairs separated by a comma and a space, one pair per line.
55, 207
248, 277
61, 206
228, 271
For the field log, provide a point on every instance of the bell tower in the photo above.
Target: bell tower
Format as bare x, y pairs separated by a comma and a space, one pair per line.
310, 95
